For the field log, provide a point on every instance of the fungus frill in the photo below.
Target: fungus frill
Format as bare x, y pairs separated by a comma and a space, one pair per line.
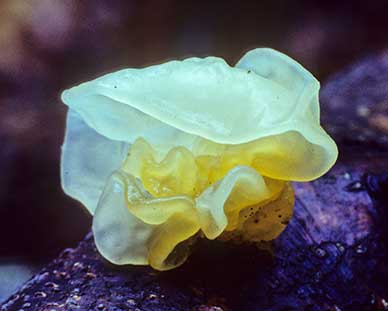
190, 148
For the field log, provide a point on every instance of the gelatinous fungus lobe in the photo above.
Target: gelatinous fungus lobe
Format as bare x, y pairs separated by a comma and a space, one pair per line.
193, 148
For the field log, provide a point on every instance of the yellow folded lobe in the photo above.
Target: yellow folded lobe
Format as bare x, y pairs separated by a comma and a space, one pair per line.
213, 151
184, 193
266, 94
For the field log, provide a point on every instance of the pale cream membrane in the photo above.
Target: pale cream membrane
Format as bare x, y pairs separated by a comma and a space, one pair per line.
165, 154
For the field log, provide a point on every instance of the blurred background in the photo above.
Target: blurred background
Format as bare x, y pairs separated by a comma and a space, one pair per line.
47, 46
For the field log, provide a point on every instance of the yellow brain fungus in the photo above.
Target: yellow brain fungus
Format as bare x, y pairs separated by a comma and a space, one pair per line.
194, 148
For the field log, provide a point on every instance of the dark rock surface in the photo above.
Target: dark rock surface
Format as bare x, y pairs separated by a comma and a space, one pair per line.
332, 256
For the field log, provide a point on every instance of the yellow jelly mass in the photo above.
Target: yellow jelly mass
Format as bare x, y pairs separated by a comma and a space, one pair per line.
213, 148
187, 192
189, 173
174, 218
182, 173
265, 221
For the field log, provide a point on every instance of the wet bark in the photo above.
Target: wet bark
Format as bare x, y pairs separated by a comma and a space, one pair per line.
332, 256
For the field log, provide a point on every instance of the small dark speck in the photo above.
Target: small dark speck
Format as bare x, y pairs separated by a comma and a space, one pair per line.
249, 71
115, 87
280, 216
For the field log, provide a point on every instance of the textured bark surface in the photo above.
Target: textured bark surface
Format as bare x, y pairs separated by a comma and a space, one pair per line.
332, 256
